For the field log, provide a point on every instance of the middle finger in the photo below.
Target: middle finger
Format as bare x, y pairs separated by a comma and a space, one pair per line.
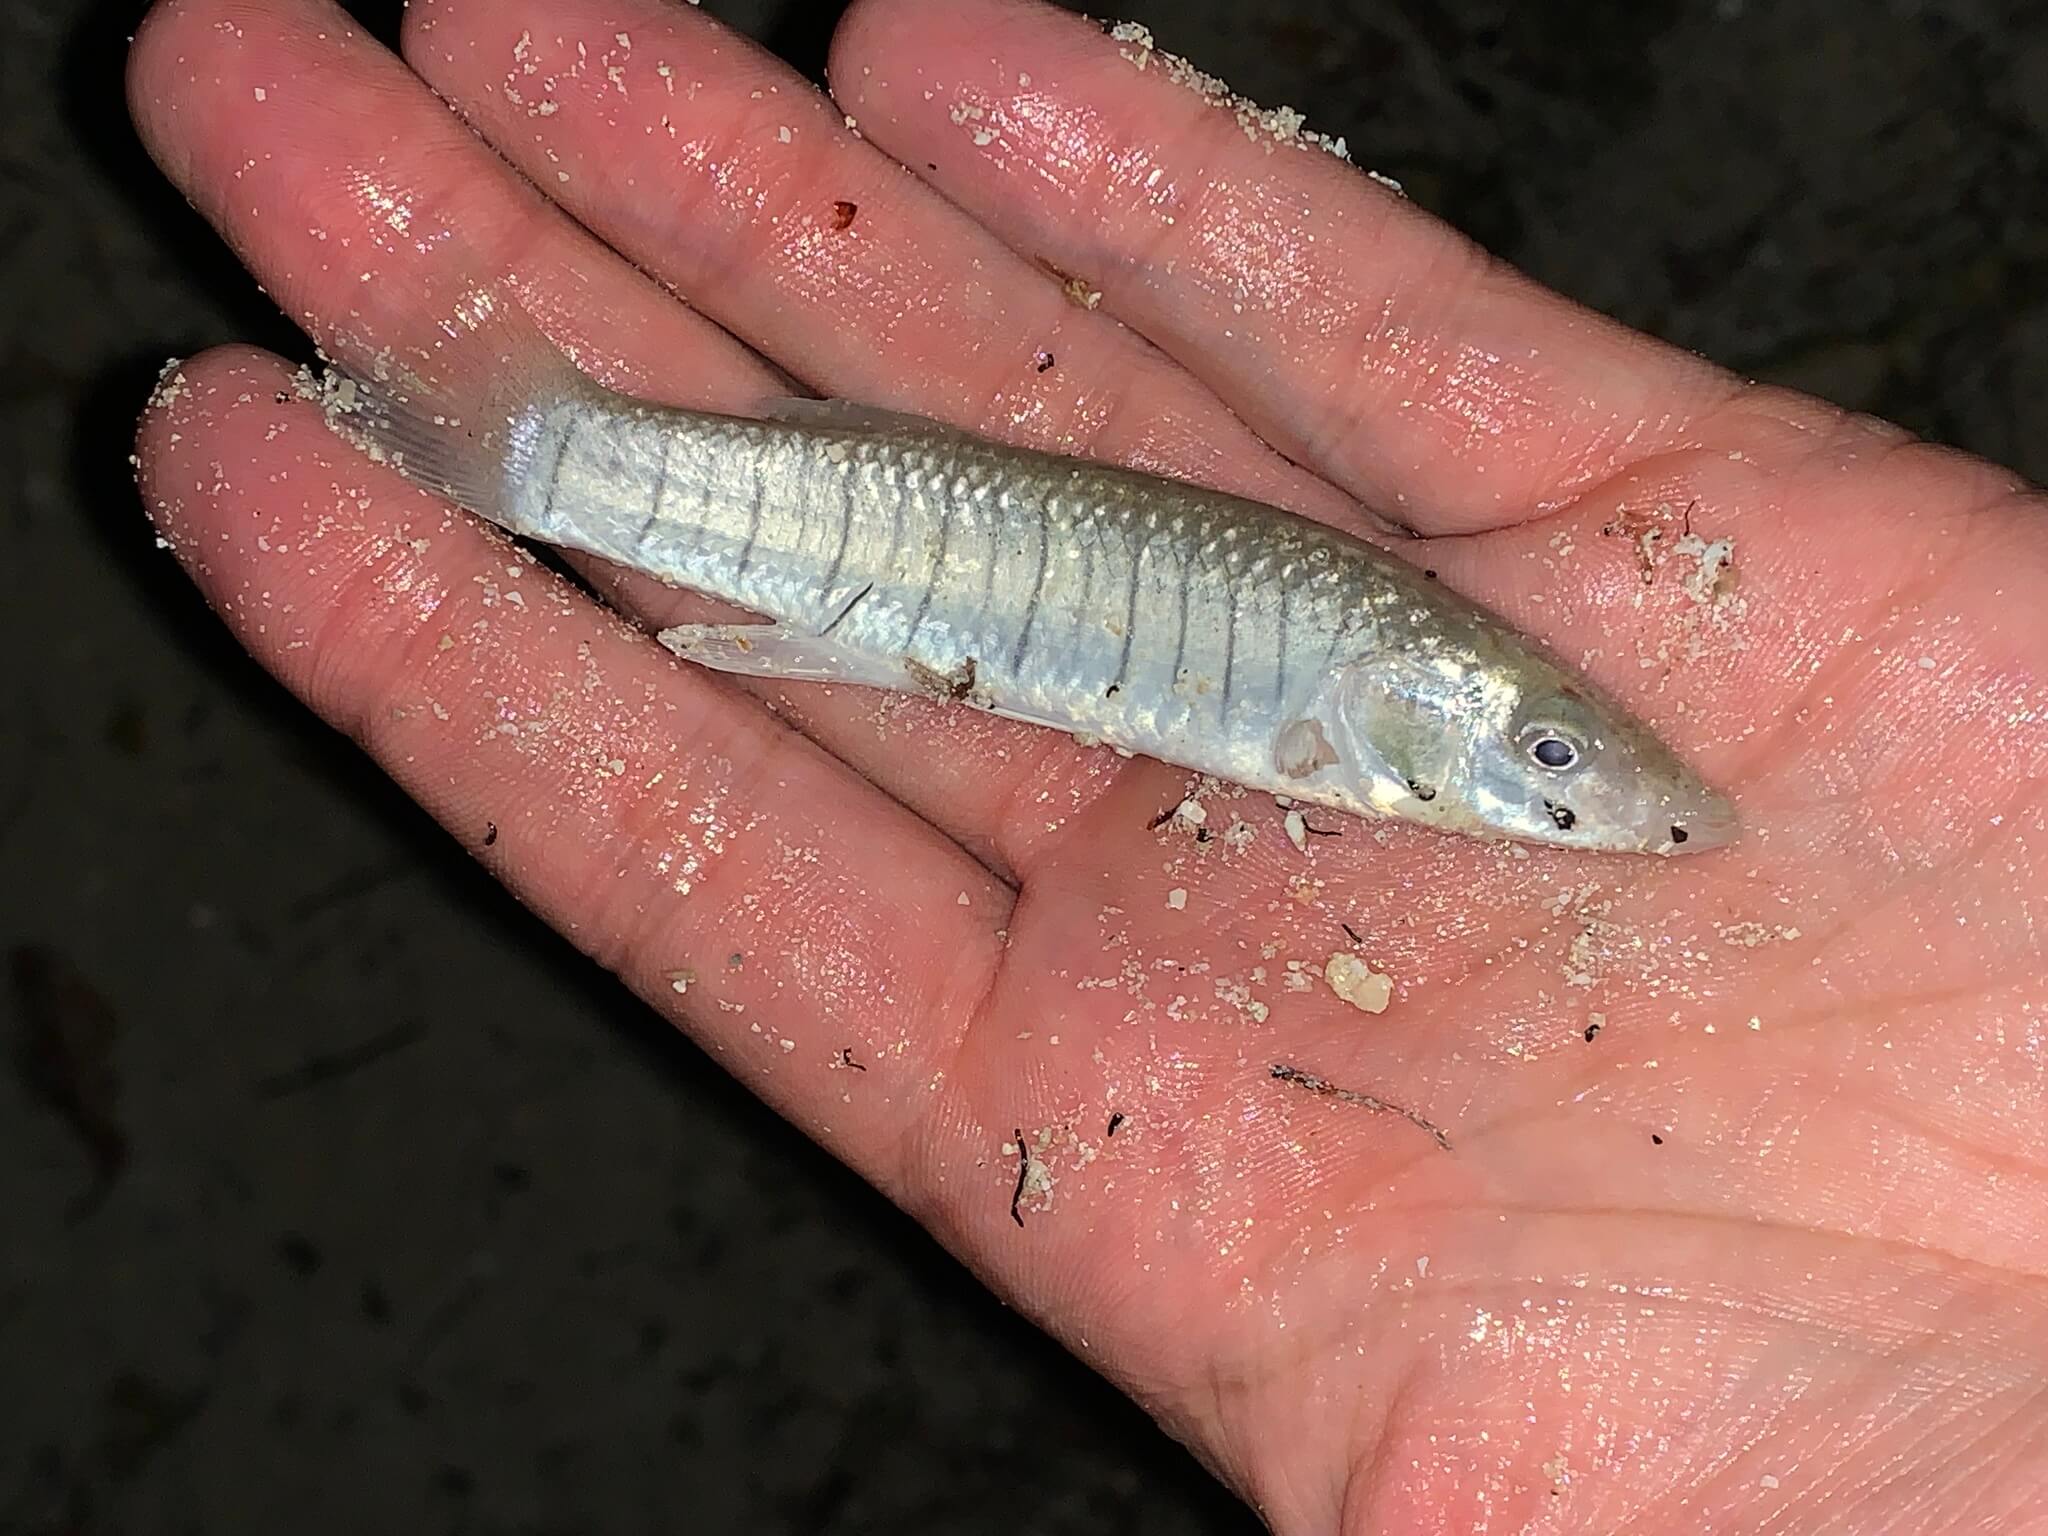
718, 169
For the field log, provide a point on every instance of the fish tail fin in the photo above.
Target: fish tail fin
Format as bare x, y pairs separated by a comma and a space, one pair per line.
465, 416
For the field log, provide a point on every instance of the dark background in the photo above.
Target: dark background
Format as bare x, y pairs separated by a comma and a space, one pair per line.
336, 1194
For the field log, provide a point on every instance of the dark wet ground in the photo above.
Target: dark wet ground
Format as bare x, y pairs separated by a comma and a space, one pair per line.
337, 1194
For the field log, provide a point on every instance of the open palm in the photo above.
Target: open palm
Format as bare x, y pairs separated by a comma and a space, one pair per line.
1743, 1221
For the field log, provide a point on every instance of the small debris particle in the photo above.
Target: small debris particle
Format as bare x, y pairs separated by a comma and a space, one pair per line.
1314, 1084
298, 1253
679, 980
329, 1066
1134, 32
1351, 933
1042, 361
1191, 812
1358, 983
1274, 125
1656, 1140
1301, 749
963, 899
1297, 831
1768, 1480
1077, 289
1642, 529
1115, 1120
782, 135
843, 214
1177, 898
1714, 576
946, 686
1023, 1178
490, 833
1748, 935
69, 1032
845, 1059
1595, 1022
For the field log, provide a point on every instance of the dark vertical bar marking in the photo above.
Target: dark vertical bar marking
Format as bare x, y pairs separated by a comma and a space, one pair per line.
574, 425
1088, 532
1229, 642
660, 489
1180, 639
938, 566
1037, 590
756, 495
804, 505
845, 534
884, 571
993, 558
1123, 660
1280, 647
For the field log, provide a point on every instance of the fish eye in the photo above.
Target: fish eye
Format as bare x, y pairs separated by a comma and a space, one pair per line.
1553, 750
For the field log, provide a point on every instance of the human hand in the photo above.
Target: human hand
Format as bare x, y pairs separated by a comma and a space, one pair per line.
1763, 1252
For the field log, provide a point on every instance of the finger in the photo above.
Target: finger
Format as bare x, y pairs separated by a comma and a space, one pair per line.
1358, 334
360, 202
737, 878
717, 168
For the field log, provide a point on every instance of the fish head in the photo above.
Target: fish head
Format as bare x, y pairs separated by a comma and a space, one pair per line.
1513, 746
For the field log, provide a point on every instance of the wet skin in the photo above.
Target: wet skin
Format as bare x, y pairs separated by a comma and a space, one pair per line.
1741, 1226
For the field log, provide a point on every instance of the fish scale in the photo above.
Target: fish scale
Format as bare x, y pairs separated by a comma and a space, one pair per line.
1072, 596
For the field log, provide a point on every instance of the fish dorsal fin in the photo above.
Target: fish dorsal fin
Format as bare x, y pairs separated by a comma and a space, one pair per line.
852, 416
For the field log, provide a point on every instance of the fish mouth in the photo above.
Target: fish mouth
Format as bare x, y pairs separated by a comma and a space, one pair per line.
1697, 823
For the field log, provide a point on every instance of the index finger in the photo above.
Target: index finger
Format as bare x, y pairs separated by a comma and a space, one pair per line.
1358, 334
746, 885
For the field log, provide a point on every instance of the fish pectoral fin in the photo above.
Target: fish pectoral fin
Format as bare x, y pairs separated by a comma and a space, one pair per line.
774, 651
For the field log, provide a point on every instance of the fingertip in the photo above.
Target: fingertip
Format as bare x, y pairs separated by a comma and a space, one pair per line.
165, 36
860, 38
273, 516
880, 43
185, 437
198, 396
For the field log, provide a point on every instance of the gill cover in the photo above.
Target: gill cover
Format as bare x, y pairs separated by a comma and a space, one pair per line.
1403, 729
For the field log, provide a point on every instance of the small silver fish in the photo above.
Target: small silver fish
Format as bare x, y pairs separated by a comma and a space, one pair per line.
1162, 618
